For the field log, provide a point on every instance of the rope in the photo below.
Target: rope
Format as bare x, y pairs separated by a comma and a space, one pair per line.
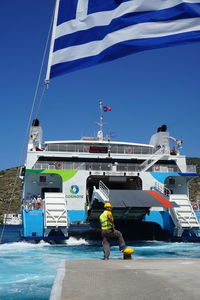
30, 118
36, 90
41, 99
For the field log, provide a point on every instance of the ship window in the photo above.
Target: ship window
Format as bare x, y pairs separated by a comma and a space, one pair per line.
94, 149
113, 149
145, 150
137, 150
71, 148
42, 178
120, 149
62, 147
53, 147
172, 181
117, 178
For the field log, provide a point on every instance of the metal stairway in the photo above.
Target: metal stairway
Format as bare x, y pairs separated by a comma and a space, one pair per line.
55, 213
99, 197
183, 216
160, 153
101, 194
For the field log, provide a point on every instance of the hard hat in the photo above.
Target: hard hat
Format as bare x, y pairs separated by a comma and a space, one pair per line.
107, 205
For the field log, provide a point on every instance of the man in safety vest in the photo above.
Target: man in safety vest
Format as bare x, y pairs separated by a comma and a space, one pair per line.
109, 232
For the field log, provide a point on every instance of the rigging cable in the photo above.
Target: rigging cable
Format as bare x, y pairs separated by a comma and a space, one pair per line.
29, 120
37, 86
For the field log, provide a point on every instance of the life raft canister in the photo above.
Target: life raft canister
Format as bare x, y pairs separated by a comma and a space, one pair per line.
195, 206
59, 165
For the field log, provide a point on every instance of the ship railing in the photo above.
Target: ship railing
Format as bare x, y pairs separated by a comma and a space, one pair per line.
127, 168
85, 148
171, 169
164, 168
162, 189
104, 189
74, 166
191, 169
108, 167
32, 204
87, 166
148, 163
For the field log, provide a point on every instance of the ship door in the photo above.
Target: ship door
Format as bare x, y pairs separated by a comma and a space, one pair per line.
113, 183
49, 190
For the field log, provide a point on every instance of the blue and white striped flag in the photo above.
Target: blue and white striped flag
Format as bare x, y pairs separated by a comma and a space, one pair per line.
89, 32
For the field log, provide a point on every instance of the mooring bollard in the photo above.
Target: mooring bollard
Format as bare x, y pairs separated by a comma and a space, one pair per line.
128, 252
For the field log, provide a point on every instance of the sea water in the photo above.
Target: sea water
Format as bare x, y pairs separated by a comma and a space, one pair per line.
27, 271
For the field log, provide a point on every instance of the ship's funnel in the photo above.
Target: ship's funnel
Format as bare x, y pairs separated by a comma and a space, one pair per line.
161, 138
35, 137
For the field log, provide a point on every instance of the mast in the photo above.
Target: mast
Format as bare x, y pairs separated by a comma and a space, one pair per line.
52, 41
100, 132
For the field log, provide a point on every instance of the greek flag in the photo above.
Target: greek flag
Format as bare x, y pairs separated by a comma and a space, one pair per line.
89, 32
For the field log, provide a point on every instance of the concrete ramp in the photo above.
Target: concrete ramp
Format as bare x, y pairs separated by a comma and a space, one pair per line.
117, 279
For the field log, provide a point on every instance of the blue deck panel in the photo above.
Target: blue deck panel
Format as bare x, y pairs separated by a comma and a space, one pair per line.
77, 215
162, 218
197, 212
33, 221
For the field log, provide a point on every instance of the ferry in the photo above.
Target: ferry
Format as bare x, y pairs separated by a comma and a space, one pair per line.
66, 184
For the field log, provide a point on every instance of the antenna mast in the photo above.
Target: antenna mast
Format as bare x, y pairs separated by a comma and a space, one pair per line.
100, 132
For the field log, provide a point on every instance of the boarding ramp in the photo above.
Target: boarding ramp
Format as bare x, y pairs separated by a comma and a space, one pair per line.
117, 279
127, 204
55, 213
183, 215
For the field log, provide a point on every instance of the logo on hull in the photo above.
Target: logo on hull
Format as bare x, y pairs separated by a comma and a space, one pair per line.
74, 189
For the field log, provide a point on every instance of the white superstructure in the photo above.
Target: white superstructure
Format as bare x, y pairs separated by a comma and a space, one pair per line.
74, 169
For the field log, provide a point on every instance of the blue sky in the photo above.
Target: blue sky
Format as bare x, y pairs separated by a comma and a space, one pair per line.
145, 90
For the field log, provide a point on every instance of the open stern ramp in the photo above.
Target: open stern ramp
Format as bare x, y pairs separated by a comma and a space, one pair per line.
127, 204
183, 215
55, 213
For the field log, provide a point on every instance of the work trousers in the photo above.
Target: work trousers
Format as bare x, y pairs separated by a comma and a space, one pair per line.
109, 234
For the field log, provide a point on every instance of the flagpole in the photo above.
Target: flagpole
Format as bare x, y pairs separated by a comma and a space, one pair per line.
52, 41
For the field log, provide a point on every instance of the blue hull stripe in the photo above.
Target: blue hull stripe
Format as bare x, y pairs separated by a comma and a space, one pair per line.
162, 176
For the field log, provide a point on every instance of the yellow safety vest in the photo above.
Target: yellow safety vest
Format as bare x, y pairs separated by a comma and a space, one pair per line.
105, 222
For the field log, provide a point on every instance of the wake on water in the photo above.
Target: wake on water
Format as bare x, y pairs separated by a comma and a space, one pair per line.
28, 270
76, 242
147, 247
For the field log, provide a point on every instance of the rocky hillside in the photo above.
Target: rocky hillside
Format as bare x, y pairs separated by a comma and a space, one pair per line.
10, 192
10, 188
194, 185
